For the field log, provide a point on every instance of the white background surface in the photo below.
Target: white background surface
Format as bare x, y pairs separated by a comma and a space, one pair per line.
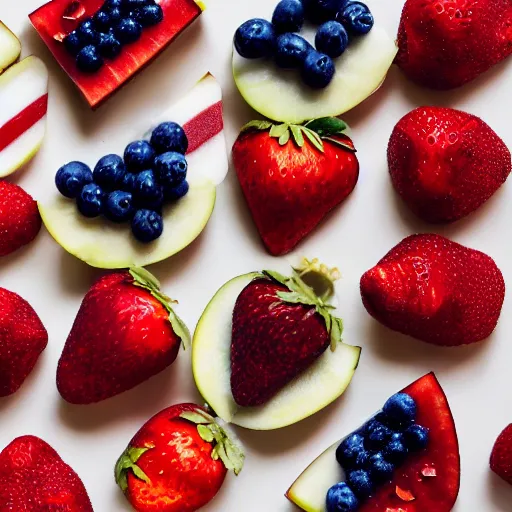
476, 379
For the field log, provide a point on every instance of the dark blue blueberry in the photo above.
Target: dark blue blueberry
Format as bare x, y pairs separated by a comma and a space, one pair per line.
396, 451
378, 437
341, 498
71, 178
109, 47
87, 32
113, 4
73, 43
89, 59
147, 225
109, 172
372, 424
356, 18
128, 31
90, 200
139, 155
361, 483
380, 469
255, 39
169, 137
349, 449
400, 410
288, 16
147, 191
331, 39
149, 15
119, 206
176, 193
318, 70
128, 182
319, 11
362, 459
291, 51
416, 438
102, 20
170, 169
115, 15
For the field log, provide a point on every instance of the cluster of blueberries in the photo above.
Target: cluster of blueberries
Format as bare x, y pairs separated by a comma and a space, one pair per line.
117, 23
339, 20
133, 189
370, 455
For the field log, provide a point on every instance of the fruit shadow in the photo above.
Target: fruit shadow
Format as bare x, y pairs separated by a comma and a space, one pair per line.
499, 493
76, 277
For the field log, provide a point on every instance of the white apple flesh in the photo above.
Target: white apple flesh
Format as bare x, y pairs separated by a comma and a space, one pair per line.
10, 47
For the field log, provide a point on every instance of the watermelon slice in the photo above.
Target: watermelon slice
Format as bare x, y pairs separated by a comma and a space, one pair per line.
54, 20
427, 482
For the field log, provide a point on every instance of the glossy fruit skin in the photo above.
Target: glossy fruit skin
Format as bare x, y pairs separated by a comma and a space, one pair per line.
416, 438
183, 475
139, 156
109, 47
89, 60
349, 449
400, 410
177, 193
22, 339
119, 206
128, 31
291, 51
150, 15
34, 478
72, 177
170, 169
254, 39
169, 137
272, 342
361, 483
147, 191
320, 11
102, 20
147, 225
332, 39
73, 43
445, 163
289, 191
20, 221
501, 456
318, 70
395, 451
340, 498
380, 469
357, 18
121, 337
87, 32
109, 172
435, 290
90, 201
288, 16
444, 48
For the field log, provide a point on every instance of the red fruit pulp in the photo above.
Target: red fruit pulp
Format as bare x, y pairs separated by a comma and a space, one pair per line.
97, 87
204, 126
501, 456
429, 493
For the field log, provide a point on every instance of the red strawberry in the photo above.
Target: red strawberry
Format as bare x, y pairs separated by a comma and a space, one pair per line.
177, 461
435, 290
501, 456
33, 478
280, 327
22, 339
293, 176
20, 221
445, 163
445, 43
125, 332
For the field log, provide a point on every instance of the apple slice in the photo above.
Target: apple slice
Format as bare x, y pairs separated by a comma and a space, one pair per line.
430, 477
10, 47
106, 245
24, 100
281, 95
313, 390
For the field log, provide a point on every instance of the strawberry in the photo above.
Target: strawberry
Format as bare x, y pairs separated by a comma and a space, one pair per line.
435, 290
22, 339
20, 221
445, 163
501, 456
292, 176
33, 478
124, 333
177, 461
444, 44
280, 328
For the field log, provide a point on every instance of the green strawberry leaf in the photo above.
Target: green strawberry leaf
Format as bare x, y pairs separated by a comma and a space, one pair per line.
314, 138
278, 130
205, 433
126, 463
258, 125
283, 140
198, 417
326, 126
344, 144
297, 135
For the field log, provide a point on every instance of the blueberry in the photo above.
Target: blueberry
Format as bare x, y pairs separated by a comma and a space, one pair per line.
87, 32
147, 191
90, 200
341, 498
109, 47
291, 51
288, 16
380, 469
255, 39
400, 409
362, 460
71, 178
139, 155
102, 20
174, 194
378, 437
150, 15
170, 169
372, 424
115, 15
361, 483
128, 31
109, 172
416, 438
356, 18
89, 60
348, 450
118, 206
319, 11
128, 182
169, 137
112, 4
73, 43
396, 451
147, 225
331, 38
318, 70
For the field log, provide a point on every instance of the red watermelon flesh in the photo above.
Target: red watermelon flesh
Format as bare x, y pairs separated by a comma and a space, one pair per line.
441, 458
54, 20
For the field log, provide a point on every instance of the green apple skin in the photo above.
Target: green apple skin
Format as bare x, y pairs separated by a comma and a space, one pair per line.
310, 392
10, 48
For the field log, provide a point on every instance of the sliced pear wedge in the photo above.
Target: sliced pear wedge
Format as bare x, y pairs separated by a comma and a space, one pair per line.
10, 47
310, 392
